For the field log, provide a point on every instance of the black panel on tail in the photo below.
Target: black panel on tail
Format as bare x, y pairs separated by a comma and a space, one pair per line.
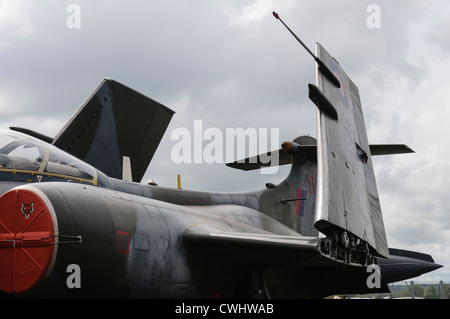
115, 121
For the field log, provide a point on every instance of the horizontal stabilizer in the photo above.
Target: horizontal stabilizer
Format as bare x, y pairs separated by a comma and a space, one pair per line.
303, 147
256, 162
310, 151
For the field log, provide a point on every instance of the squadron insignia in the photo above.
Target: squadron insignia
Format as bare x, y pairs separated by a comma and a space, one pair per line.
27, 209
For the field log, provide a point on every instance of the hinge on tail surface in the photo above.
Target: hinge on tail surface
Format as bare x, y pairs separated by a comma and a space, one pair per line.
362, 154
347, 248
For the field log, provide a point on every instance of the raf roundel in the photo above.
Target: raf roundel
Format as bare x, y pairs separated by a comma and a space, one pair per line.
341, 90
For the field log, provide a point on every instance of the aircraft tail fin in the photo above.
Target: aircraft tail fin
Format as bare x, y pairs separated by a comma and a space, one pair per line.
115, 122
292, 202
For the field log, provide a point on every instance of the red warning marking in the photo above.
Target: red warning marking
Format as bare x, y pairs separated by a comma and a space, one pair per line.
311, 184
123, 242
26, 248
299, 204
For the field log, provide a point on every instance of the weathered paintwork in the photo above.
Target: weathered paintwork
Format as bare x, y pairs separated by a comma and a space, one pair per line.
122, 239
347, 193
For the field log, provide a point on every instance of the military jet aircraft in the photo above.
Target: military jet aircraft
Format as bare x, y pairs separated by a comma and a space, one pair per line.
75, 221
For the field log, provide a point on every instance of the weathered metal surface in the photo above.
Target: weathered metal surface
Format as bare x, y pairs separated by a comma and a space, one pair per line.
347, 191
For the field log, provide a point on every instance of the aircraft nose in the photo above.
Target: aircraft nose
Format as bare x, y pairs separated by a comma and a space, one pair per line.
28, 230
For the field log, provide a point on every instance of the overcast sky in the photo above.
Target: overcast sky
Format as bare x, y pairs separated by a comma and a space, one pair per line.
231, 64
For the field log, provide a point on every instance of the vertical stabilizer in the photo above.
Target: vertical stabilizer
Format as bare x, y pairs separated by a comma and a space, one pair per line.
347, 196
115, 122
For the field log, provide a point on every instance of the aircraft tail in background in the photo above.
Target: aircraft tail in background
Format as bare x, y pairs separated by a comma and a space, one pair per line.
117, 130
115, 121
